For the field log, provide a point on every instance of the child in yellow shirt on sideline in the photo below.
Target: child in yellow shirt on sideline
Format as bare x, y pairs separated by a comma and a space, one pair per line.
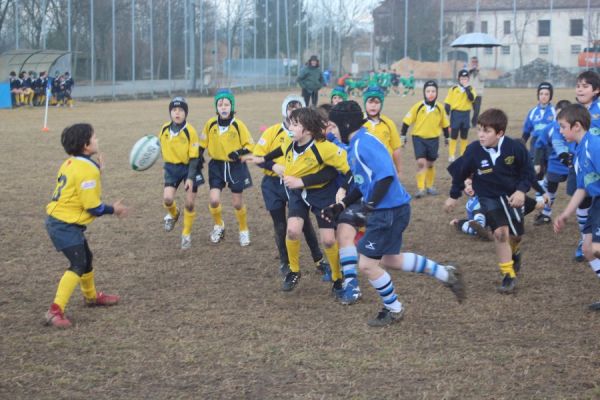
459, 103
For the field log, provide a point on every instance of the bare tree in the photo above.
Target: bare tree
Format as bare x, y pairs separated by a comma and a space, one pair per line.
520, 30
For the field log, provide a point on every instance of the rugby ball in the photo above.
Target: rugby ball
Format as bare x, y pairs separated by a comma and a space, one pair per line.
144, 153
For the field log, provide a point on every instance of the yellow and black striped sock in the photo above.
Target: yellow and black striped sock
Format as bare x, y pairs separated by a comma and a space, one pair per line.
452, 148
216, 214
430, 177
66, 286
241, 216
188, 221
333, 256
293, 249
88, 287
172, 209
507, 268
515, 247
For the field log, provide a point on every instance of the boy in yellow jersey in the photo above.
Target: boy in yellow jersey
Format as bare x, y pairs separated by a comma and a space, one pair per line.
179, 145
309, 153
76, 202
226, 140
274, 192
459, 103
381, 126
429, 119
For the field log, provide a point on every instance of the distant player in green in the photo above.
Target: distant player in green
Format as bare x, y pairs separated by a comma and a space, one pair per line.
75, 204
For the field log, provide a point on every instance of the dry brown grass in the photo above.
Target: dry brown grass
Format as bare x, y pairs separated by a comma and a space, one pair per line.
212, 323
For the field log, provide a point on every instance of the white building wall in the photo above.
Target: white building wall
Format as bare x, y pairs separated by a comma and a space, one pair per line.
559, 44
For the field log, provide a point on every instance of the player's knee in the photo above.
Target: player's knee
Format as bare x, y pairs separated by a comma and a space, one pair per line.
214, 203
421, 163
168, 200
329, 242
500, 235
293, 233
189, 206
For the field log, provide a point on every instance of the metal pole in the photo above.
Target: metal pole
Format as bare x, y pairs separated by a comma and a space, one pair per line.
215, 48
277, 51
69, 25
186, 60
299, 2
243, 47
441, 42
229, 53
44, 24
114, 45
16, 24
152, 47
589, 29
169, 44
550, 43
323, 44
267, 43
255, 34
192, 24
92, 46
133, 41
287, 40
201, 29
405, 28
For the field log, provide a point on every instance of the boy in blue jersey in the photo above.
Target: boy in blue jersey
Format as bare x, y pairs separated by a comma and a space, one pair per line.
388, 207
552, 145
539, 116
76, 202
502, 173
575, 123
474, 224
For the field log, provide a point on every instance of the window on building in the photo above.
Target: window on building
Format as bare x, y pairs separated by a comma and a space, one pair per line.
507, 27
484, 26
470, 26
544, 50
449, 28
575, 48
544, 27
505, 49
576, 27
488, 50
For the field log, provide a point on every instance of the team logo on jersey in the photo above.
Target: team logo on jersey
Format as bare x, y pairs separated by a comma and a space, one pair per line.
359, 179
595, 131
595, 116
370, 246
509, 160
485, 163
484, 171
88, 184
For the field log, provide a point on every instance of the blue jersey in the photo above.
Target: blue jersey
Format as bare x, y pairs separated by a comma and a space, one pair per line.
370, 162
587, 164
537, 119
552, 139
473, 207
594, 110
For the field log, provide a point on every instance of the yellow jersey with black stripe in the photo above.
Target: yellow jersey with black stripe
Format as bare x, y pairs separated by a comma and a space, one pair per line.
220, 141
77, 190
428, 121
179, 147
316, 156
457, 99
272, 138
386, 131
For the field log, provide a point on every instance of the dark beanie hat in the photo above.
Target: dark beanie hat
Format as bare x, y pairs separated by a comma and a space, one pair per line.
546, 85
179, 102
463, 72
348, 117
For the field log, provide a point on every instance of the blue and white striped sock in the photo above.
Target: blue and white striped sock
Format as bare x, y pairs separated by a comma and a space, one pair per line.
595, 264
548, 207
416, 263
385, 288
348, 261
582, 216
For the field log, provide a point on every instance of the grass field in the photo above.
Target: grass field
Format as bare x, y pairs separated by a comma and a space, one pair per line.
212, 323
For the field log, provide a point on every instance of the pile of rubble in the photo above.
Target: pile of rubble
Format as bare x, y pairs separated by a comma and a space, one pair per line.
537, 71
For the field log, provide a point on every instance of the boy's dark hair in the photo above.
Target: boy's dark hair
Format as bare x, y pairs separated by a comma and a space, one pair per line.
493, 118
562, 104
324, 110
74, 138
591, 78
576, 113
311, 120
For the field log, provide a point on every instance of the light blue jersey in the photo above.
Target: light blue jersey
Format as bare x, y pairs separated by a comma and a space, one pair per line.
587, 164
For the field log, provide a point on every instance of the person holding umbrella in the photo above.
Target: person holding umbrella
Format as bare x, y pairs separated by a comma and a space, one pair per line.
477, 81
310, 80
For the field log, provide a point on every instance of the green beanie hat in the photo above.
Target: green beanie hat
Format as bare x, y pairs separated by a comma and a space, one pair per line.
373, 91
339, 91
225, 94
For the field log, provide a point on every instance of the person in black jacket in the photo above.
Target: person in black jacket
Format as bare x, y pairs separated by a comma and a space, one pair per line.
502, 173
